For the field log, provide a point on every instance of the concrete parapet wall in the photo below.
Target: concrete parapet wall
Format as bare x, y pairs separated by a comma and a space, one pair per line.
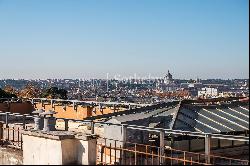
78, 113
58, 148
47, 151
22, 108
86, 152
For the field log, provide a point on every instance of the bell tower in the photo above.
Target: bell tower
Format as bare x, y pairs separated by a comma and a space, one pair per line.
168, 78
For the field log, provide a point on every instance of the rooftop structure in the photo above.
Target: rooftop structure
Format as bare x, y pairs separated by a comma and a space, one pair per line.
165, 133
215, 117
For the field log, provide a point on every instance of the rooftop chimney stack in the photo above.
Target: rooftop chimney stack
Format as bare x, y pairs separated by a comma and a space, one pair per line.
49, 121
38, 119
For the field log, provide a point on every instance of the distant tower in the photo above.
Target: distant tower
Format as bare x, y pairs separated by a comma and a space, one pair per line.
197, 80
168, 78
107, 85
107, 82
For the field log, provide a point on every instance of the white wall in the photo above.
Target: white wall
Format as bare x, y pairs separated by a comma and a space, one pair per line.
45, 151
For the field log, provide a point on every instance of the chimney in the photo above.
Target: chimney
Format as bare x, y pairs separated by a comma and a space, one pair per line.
49, 120
38, 119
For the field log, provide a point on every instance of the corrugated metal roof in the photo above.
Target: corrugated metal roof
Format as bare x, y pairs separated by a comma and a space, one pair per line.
138, 116
152, 113
131, 117
213, 119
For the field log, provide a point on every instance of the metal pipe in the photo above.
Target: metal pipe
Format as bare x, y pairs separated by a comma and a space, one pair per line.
7, 119
92, 127
162, 146
207, 148
66, 124
24, 120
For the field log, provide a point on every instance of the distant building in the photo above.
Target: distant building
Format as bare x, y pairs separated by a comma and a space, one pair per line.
208, 92
168, 78
191, 85
168, 83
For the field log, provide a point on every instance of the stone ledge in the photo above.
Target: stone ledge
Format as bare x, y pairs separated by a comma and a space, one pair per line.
55, 135
85, 137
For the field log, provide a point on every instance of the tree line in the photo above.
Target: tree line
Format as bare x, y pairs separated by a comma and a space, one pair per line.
31, 91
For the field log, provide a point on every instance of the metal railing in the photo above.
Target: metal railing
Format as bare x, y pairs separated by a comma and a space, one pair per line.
11, 137
114, 152
93, 124
40, 100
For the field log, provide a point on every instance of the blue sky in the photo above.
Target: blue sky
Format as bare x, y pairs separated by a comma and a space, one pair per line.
89, 38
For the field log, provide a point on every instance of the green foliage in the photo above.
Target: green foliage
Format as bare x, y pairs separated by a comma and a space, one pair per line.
4, 94
55, 93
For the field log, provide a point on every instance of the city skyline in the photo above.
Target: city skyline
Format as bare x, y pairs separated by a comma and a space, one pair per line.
88, 39
124, 78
